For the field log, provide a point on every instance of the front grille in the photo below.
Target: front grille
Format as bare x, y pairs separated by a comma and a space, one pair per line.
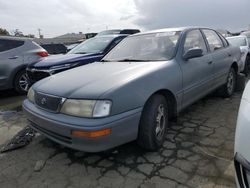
57, 136
48, 102
37, 75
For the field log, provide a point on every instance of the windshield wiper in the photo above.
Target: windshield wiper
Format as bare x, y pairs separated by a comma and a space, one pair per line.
131, 60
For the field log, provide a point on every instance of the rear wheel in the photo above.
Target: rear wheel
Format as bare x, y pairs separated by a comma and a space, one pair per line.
153, 123
21, 84
228, 89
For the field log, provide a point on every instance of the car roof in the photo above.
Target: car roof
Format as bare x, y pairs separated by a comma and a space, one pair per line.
239, 36
246, 33
15, 38
174, 29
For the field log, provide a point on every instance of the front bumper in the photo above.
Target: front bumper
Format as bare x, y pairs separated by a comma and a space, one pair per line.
242, 169
58, 127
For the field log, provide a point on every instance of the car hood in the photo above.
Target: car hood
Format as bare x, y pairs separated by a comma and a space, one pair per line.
93, 80
60, 59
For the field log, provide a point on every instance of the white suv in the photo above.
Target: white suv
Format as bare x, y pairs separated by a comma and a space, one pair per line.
15, 55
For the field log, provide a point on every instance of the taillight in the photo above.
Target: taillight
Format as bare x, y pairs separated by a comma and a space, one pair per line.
42, 54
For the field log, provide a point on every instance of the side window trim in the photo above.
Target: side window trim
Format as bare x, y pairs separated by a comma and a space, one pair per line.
224, 41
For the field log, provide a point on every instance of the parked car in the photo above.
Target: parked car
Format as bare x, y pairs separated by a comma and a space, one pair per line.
247, 34
87, 52
55, 48
242, 42
119, 31
134, 91
15, 54
242, 152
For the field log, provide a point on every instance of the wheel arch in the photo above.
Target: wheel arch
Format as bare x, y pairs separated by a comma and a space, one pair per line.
171, 101
15, 72
235, 67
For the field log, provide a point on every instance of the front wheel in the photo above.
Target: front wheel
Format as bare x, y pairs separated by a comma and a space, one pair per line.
153, 123
228, 89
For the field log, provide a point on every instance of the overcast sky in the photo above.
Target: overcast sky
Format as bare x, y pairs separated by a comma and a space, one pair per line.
56, 17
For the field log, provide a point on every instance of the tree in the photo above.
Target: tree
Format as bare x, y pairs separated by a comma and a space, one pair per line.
4, 32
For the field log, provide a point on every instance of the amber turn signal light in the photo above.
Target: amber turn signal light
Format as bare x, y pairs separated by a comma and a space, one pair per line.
91, 134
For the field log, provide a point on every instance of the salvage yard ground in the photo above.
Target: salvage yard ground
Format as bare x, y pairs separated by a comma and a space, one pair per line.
198, 152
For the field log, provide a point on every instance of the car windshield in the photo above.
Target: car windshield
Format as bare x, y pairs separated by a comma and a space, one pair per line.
147, 47
237, 41
93, 45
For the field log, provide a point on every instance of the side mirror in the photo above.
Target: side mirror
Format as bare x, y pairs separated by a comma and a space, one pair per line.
192, 53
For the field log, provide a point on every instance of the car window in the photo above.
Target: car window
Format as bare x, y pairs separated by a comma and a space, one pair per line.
195, 40
93, 45
213, 39
237, 41
147, 47
6, 44
115, 42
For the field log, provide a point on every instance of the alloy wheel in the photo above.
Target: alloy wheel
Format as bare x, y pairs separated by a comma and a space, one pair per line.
23, 82
160, 122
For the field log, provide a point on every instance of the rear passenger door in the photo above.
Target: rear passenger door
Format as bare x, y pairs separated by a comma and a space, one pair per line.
221, 56
197, 72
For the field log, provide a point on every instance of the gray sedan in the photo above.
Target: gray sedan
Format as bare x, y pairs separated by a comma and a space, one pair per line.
134, 91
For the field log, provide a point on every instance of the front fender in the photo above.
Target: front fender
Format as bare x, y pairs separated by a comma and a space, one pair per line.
134, 93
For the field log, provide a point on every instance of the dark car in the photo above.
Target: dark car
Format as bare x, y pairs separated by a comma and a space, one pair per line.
55, 48
89, 51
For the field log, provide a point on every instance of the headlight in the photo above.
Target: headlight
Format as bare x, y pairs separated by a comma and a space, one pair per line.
31, 95
86, 108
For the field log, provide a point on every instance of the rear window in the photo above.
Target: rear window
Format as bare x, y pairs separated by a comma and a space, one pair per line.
6, 44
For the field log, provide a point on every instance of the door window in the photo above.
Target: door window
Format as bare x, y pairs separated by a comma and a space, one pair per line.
6, 44
194, 40
213, 39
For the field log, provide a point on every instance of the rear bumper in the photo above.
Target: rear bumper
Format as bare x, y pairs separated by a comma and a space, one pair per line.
58, 127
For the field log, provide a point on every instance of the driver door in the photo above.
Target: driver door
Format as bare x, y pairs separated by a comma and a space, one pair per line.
197, 72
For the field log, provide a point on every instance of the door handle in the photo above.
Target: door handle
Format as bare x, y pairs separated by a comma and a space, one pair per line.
229, 55
210, 62
13, 57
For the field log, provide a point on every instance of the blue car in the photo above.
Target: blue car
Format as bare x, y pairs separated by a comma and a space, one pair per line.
89, 51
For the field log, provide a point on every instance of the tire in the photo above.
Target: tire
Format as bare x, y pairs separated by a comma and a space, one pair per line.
228, 89
247, 66
153, 123
241, 82
21, 84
